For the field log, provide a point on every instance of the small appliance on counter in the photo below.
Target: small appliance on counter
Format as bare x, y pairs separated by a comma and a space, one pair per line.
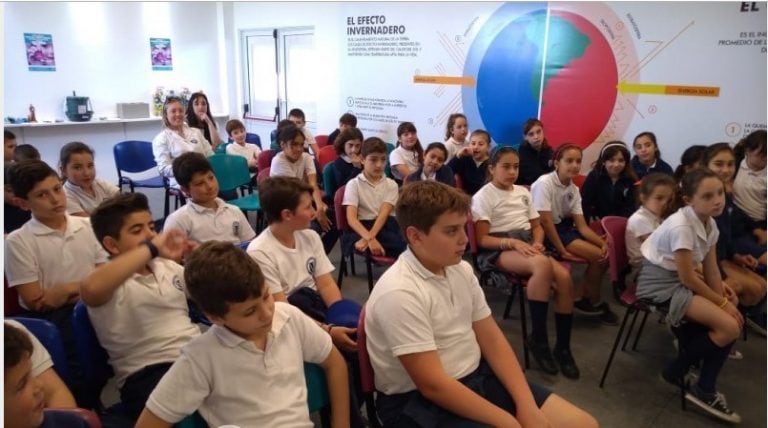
132, 110
79, 108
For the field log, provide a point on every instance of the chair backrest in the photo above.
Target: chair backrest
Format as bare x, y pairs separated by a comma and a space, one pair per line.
87, 416
329, 180
471, 235
321, 140
617, 251
273, 143
265, 159
133, 156
579, 180
263, 173
93, 358
390, 148
341, 213
327, 155
366, 369
253, 139
223, 147
459, 182
48, 335
317, 387
231, 171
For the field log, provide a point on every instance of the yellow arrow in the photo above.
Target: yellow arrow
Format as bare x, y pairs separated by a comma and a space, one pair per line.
446, 80
648, 88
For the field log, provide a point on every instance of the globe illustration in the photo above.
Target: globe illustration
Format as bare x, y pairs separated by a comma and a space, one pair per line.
573, 80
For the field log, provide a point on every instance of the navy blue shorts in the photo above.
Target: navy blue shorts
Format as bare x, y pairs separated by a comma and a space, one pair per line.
567, 233
748, 245
411, 409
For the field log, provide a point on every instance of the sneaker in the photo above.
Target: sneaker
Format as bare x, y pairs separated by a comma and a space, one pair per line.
712, 403
566, 362
585, 307
543, 356
607, 316
757, 325
735, 355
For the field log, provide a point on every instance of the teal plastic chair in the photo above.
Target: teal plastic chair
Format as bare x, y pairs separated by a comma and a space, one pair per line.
222, 149
329, 180
318, 399
231, 172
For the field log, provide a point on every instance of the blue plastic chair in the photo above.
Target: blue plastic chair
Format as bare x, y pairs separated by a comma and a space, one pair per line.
135, 157
249, 139
48, 334
274, 144
92, 357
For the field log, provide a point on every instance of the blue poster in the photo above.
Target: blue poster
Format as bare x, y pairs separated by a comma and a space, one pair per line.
39, 48
160, 52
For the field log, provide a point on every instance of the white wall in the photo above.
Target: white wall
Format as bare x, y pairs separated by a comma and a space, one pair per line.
102, 51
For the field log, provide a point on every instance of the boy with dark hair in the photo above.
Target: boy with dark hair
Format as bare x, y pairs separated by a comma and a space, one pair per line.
248, 368
453, 365
297, 117
346, 121
136, 302
25, 152
9, 144
205, 216
370, 199
15, 217
236, 131
50, 254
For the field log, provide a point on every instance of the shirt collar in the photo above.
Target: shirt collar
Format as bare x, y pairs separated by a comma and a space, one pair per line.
38, 228
556, 180
232, 340
220, 206
363, 178
346, 158
409, 258
698, 227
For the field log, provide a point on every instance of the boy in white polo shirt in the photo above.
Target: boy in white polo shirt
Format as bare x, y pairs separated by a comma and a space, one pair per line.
205, 217
370, 200
137, 302
236, 131
49, 255
248, 369
438, 356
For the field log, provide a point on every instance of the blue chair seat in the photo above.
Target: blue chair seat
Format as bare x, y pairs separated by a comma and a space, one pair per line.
154, 182
48, 335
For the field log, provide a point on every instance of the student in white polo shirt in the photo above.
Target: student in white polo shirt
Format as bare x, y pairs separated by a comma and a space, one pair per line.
558, 202
137, 302
205, 217
684, 243
438, 356
46, 258
248, 369
370, 200
84, 191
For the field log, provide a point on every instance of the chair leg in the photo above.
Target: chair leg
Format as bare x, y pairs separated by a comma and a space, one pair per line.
524, 326
510, 300
167, 209
352, 263
629, 332
639, 331
369, 268
630, 309
342, 271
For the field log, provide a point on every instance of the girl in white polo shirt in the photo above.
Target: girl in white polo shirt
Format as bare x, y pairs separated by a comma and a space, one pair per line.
409, 155
558, 202
456, 136
84, 191
682, 244
511, 238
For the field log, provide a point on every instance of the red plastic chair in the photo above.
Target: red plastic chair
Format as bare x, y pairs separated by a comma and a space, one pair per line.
321, 140
579, 180
265, 159
343, 226
366, 371
459, 182
618, 260
263, 173
87, 416
327, 155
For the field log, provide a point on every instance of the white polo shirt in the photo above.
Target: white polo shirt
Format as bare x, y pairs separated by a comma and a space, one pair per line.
301, 169
681, 230
80, 201
505, 210
289, 269
749, 191
411, 310
168, 145
146, 321
453, 147
35, 252
369, 197
225, 223
549, 194
308, 139
401, 156
641, 223
41, 359
228, 380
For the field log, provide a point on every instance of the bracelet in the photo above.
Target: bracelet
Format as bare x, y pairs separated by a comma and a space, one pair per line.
725, 302
330, 326
153, 251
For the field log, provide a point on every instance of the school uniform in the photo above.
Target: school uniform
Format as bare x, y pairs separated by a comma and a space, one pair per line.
224, 223
169, 144
401, 156
658, 279
641, 170
563, 201
601, 196
443, 175
143, 327
453, 147
533, 163
80, 201
40, 358
228, 380
473, 173
344, 170
411, 310
281, 166
369, 197
641, 223
749, 193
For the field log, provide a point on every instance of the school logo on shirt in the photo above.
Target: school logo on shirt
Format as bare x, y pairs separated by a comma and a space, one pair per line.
311, 263
526, 202
236, 228
193, 140
177, 282
569, 197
